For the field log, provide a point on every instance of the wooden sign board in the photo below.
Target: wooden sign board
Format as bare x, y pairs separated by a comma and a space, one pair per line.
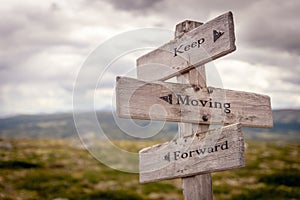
216, 150
185, 103
196, 47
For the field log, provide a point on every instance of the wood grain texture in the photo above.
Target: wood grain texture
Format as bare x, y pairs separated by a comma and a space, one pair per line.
216, 150
141, 100
198, 186
193, 49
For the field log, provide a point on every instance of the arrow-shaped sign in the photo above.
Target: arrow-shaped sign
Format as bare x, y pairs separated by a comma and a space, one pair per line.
216, 150
182, 103
205, 43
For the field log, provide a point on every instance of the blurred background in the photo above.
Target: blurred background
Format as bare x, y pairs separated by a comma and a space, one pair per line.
44, 46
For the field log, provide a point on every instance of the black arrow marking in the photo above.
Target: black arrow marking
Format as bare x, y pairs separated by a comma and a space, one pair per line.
217, 35
167, 157
167, 98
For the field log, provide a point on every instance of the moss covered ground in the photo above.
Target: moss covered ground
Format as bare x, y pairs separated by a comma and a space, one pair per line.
57, 169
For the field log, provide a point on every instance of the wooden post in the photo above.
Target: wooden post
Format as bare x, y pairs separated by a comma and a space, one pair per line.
195, 187
136, 97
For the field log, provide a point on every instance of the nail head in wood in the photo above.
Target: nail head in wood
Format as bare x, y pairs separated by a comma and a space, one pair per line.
210, 90
205, 118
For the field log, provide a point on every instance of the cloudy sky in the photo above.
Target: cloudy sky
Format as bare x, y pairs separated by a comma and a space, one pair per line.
44, 46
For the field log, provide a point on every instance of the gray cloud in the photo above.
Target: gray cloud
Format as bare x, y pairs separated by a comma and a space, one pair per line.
134, 5
272, 26
45, 44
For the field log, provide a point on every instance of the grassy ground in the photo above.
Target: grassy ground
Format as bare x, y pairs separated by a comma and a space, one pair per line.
52, 169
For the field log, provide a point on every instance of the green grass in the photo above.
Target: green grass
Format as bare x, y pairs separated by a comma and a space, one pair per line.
48, 169
287, 177
47, 184
16, 164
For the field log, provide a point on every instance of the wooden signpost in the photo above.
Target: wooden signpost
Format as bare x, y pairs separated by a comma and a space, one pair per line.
197, 151
194, 48
183, 103
215, 150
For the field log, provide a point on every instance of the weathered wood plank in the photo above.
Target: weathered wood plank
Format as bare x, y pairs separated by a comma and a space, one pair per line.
185, 103
196, 47
216, 150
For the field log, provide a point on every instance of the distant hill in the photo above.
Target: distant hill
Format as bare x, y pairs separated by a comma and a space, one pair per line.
286, 127
63, 126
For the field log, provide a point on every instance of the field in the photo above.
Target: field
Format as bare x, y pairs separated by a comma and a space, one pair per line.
58, 169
